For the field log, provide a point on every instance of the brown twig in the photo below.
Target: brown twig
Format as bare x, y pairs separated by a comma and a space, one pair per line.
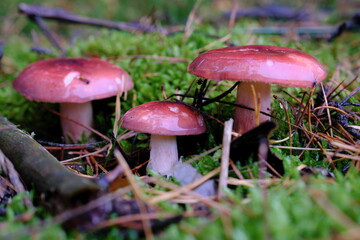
65, 16
40, 22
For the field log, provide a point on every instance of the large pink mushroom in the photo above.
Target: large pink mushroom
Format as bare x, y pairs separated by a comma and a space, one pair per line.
257, 66
74, 83
164, 120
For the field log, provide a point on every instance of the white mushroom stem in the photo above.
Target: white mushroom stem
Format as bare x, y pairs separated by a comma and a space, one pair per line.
163, 154
245, 119
80, 112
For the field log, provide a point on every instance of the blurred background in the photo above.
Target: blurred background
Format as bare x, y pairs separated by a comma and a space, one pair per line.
171, 12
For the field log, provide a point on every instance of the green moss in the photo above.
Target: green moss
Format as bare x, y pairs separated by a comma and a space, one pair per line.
293, 209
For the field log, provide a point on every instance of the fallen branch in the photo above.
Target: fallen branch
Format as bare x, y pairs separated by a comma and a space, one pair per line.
39, 169
65, 16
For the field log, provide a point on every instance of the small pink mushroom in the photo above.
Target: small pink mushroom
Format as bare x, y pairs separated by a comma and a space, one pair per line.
260, 66
74, 83
164, 120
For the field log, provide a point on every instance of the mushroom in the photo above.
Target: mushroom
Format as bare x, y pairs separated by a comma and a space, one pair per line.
257, 66
164, 120
74, 83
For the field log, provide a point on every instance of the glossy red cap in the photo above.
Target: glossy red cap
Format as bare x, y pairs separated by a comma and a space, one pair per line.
259, 63
164, 118
71, 80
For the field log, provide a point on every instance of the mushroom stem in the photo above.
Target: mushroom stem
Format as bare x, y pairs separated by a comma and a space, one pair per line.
163, 154
245, 119
80, 112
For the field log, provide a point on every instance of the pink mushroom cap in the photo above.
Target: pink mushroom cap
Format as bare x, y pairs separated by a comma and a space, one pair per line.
75, 80
164, 118
259, 63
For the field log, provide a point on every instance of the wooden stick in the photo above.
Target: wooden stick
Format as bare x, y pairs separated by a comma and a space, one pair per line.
225, 157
